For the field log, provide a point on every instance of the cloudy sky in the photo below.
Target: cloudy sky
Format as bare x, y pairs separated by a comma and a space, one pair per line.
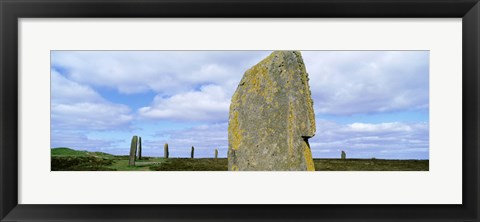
368, 103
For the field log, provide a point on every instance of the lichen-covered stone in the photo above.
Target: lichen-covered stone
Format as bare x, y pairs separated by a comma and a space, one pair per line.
139, 148
271, 116
133, 151
165, 151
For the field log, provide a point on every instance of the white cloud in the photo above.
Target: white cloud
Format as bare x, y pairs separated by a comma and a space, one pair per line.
211, 102
79, 141
197, 86
371, 140
190, 85
164, 72
359, 82
93, 116
77, 106
342, 82
66, 91
205, 138
360, 140
381, 127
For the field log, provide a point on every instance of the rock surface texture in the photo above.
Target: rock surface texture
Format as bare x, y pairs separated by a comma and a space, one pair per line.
271, 117
133, 151
165, 151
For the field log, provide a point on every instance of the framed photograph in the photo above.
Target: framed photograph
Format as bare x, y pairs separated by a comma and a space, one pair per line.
223, 110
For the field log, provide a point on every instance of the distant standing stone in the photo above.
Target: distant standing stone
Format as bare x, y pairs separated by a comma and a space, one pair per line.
271, 116
165, 151
139, 148
133, 150
344, 155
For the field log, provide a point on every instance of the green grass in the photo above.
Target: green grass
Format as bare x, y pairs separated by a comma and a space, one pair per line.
140, 165
80, 163
188, 164
65, 159
122, 165
63, 151
370, 165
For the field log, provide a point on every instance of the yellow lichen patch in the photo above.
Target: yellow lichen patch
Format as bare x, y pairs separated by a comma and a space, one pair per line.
234, 103
307, 153
290, 129
270, 89
269, 114
244, 97
236, 132
253, 82
259, 82
268, 98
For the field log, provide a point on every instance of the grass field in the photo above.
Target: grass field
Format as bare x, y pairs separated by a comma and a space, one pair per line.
370, 165
65, 159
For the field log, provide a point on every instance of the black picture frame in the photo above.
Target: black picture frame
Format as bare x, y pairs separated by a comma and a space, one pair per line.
12, 10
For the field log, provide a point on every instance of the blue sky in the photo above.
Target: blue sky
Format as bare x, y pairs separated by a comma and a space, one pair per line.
368, 103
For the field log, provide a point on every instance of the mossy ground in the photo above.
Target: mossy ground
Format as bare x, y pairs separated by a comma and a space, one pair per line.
64, 159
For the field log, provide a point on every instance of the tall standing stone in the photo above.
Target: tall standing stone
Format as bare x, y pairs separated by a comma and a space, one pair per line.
136, 149
133, 150
165, 151
344, 155
192, 152
216, 153
271, 116
140, 148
